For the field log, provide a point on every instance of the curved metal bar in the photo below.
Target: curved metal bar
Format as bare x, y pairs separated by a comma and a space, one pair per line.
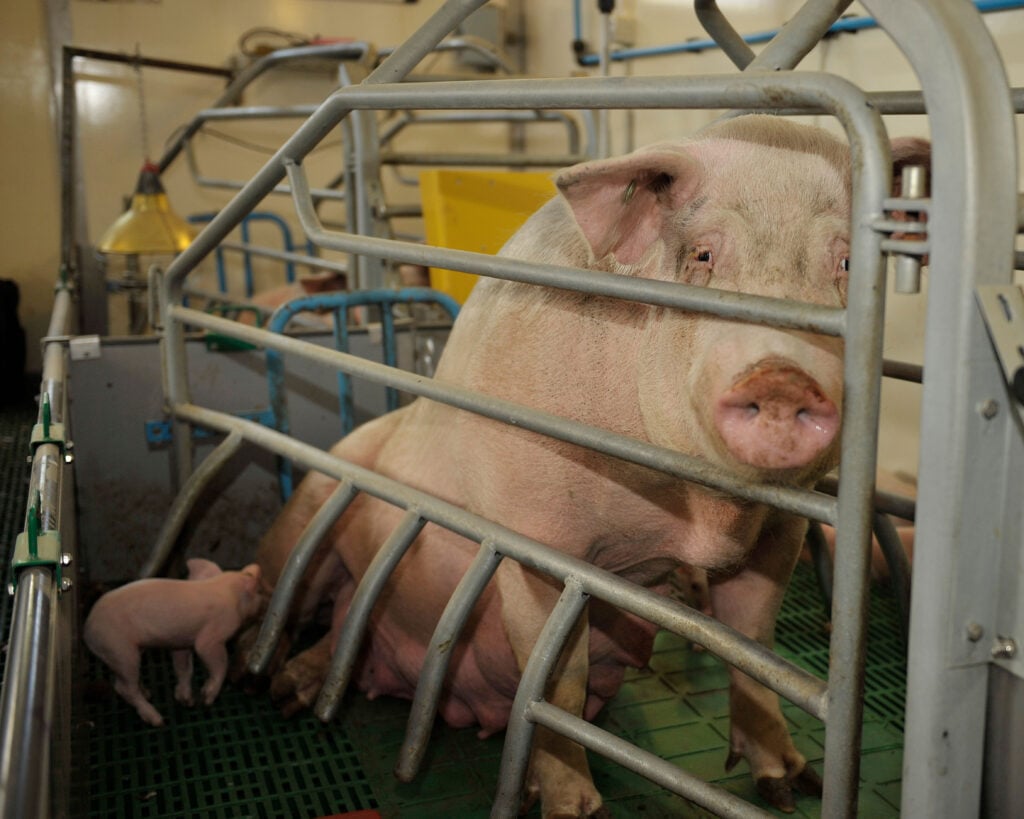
722, 32
185, 500
231, 94
515, 755
439, 653
350, 639
288, 583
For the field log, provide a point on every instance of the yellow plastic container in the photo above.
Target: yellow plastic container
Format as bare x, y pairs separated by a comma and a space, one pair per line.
478, 211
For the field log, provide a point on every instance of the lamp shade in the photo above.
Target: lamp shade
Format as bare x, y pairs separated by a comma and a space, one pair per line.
149, 225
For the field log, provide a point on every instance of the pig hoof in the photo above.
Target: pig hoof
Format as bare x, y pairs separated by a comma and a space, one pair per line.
296, 687
778, 791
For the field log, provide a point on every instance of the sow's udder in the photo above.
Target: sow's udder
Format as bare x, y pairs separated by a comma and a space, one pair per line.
776, 416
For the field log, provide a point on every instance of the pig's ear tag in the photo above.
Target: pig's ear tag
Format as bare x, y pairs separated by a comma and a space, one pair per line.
630, 190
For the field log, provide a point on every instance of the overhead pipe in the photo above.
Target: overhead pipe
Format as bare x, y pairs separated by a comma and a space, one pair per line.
845, 25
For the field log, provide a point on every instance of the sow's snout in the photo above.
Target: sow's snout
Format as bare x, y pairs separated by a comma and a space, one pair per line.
776, 416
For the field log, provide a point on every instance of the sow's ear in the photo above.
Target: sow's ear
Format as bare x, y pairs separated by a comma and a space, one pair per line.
907, 151
623, 205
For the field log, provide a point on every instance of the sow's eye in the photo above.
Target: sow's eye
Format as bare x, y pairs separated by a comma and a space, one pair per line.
844, 264
703, 255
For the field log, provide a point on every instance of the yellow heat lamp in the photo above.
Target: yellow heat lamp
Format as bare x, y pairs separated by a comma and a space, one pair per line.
149, 226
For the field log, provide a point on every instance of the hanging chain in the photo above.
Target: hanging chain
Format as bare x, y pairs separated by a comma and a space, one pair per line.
143, 126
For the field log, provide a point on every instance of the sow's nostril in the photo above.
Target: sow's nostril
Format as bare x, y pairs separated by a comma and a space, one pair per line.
776, 417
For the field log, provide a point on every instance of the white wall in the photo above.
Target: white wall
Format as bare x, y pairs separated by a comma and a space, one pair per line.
208, 31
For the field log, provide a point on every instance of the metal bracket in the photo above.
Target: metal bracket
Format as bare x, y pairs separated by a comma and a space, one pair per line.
160, 432
1002, 308
47, 432
35, 548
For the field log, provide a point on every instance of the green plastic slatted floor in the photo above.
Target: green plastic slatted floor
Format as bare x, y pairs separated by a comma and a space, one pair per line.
239, 758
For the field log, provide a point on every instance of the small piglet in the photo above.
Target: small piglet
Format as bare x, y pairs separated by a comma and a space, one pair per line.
202, 612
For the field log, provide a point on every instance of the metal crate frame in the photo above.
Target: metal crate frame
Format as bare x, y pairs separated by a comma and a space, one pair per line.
971, 456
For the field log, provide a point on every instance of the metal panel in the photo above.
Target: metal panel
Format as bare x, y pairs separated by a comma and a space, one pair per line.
126, 485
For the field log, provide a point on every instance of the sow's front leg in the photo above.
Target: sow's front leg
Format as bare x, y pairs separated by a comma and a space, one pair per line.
749, 601
559, 773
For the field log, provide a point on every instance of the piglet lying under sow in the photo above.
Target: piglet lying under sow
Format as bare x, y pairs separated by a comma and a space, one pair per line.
755, 204
203, 613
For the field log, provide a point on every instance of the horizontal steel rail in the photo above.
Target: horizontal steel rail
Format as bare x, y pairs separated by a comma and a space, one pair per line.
808, 504
722, 303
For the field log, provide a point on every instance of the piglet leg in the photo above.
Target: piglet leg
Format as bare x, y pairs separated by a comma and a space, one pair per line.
214, 656
749, 601
182, 661
125, 666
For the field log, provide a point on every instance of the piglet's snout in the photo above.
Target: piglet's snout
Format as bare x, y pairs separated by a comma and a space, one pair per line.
776, 416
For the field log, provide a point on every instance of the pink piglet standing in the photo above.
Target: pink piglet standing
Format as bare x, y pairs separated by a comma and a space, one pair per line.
201, 613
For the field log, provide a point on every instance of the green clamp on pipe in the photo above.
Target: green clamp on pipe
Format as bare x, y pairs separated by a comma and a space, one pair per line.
48, 432
37, 548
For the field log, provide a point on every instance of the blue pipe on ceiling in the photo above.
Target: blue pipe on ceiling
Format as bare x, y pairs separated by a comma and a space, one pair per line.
845, 24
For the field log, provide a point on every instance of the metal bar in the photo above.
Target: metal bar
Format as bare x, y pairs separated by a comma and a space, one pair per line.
288, 583
185, 501
722, 303
515, 755
903, 370
287, 256
722, 32
472, 160
807, 504
439, 652
28, 698
358, 617
716, 799
149, 62
801, 688
409, 119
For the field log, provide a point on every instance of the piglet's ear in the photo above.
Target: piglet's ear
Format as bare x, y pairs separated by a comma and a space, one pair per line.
623, 204
200, 569
907, 151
